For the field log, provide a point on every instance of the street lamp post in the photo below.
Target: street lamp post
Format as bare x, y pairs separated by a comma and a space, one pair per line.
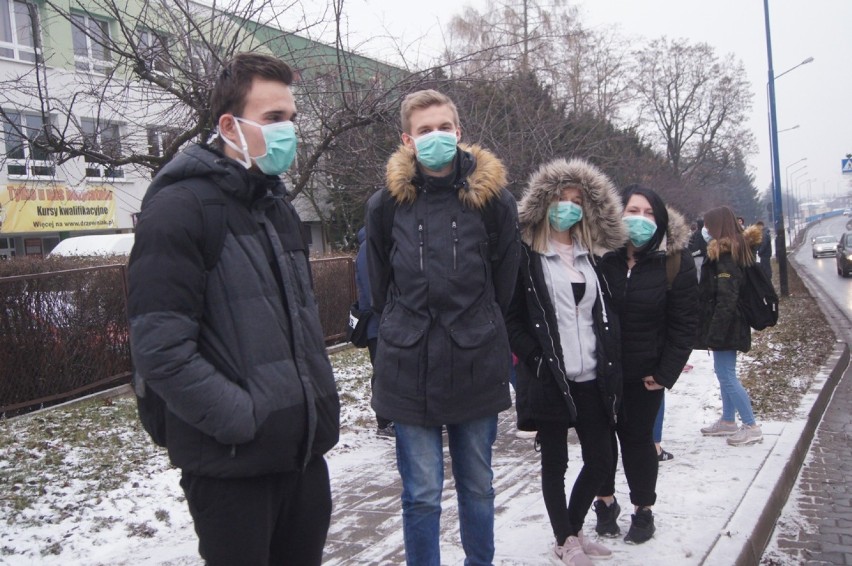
780, 239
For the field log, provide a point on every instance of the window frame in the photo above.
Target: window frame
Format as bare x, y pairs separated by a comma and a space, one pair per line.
158, 137
14, 44
27, 161
96, 135
153, 46
89, 63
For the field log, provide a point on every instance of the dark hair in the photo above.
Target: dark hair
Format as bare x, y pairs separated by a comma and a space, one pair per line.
661, 215
235, 80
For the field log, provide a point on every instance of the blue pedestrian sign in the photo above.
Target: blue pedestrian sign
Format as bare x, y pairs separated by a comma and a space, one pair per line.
847, 165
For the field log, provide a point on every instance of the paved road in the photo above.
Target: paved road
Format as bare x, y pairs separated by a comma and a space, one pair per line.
815, 526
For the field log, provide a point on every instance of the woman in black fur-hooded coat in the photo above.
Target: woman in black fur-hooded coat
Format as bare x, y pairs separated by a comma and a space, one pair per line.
563, 332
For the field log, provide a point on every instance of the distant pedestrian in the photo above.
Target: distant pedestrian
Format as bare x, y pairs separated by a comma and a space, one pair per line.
442, 276
384, 427
566, 337
764, 250
698, 246
655, 294
236, 352
722, 327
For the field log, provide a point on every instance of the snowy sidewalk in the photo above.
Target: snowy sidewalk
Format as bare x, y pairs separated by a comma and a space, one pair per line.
710, 497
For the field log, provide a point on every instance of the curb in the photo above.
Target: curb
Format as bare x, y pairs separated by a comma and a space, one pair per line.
747, 533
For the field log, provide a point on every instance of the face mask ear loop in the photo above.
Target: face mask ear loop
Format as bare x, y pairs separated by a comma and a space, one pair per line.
246, 161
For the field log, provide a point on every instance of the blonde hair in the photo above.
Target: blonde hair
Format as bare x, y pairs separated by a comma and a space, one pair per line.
537, 235
424, 99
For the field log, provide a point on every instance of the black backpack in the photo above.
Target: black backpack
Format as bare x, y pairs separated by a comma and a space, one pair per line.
758, 301
152, 407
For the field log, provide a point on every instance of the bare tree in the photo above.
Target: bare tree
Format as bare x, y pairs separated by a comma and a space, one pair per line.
694, 106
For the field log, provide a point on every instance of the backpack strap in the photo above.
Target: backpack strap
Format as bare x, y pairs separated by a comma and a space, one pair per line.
388, 212
214, 216
672, 268
489, 218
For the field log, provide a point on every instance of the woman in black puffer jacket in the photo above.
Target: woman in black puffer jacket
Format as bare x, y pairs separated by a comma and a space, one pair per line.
723, 328
655, 291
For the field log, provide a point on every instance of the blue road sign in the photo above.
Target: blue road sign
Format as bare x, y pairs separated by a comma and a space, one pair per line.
847, 165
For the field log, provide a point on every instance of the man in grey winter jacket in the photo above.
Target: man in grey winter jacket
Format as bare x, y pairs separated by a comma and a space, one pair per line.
235, 349
443, 251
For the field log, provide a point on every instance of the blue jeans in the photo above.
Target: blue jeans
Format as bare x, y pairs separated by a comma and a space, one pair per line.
735, 398
420, 460
658, 422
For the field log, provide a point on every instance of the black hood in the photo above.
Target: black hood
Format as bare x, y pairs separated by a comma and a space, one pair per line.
201, 161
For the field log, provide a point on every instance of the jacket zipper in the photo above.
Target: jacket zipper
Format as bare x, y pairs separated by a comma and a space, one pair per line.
420, 235
455, 234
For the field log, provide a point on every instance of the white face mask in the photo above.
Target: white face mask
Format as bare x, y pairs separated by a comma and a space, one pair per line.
706, 235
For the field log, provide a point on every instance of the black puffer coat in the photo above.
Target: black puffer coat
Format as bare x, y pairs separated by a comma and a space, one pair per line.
657, 325
721, 324
443, 355
238, 353
543, 391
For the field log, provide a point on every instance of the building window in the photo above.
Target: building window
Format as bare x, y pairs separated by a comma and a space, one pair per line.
105, 138
24, 158
152, 48
17, 37
91, 40
159, 139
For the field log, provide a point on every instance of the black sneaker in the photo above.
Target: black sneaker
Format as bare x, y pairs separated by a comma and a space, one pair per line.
664, 456
641, 527
607, 525
386, 431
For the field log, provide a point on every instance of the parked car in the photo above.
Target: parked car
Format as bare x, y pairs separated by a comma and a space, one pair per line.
847, 212
844, 254
824, 246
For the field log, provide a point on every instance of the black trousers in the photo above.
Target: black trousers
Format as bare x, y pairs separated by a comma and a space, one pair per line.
276, 519
594, 432
635, 431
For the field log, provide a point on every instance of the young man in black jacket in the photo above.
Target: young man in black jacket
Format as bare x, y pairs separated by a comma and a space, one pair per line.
441, 284
236, 350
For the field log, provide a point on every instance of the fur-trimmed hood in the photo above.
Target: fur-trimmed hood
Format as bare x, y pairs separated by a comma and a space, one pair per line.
601, 204
752, 235
482, 175
677, 234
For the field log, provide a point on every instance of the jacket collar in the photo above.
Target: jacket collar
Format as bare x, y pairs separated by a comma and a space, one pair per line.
480, 175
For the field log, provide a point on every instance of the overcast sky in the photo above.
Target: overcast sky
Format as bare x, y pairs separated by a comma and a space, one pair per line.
817, 97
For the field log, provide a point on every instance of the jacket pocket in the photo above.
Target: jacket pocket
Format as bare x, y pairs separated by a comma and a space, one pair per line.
478, 354
398, 356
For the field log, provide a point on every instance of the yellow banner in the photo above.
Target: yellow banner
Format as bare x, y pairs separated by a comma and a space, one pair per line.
55, 209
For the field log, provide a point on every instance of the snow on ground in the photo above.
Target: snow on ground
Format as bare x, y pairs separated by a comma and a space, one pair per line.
144, 521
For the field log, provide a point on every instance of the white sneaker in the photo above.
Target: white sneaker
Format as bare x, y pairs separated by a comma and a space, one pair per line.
571, 553
746, 435
594, 550
720, 428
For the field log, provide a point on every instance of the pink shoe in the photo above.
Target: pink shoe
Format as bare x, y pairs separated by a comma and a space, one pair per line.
594, 550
